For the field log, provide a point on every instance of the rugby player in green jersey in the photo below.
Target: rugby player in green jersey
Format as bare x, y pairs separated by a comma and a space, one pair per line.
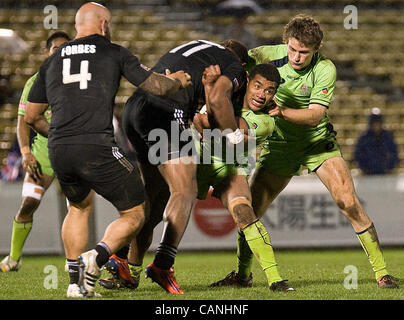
229, 181
39, 174
305, 137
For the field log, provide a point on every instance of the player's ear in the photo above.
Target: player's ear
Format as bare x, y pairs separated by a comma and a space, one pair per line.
104, 26
46, 52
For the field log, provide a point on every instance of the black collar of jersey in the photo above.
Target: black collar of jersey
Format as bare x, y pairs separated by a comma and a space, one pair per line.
91, 36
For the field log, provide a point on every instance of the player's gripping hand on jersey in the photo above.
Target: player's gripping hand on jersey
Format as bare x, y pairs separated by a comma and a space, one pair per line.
273, 108
180, 76
166, 85
211, 74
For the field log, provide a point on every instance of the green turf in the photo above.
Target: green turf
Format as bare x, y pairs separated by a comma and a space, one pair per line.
314, 274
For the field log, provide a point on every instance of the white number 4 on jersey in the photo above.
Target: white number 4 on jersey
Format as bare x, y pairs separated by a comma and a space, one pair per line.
83, 77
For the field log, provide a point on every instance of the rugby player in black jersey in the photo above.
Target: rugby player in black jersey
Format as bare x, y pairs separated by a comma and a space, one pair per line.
80, 82
144, 115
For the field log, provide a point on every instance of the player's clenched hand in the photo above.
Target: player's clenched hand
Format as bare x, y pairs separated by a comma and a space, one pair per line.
180, 75
211, 74
201, 122
274, 109
31, 166
275, 112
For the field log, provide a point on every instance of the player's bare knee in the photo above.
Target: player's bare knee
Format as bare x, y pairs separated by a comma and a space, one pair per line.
243, 215
135, 216
134, 221
349, 205
242, 211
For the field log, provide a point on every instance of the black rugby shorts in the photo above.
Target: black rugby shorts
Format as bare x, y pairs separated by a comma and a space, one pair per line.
142, 120
82, 167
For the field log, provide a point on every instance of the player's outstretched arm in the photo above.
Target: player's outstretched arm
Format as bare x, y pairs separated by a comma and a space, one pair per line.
34, 117
166, 85
310, 116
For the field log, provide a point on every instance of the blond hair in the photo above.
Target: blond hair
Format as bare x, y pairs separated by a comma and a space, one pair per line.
304, 29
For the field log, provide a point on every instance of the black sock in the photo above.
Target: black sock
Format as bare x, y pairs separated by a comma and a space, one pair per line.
123, 252
73, 271
103, 254
165, 256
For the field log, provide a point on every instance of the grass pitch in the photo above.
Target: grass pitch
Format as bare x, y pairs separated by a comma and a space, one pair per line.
315, 275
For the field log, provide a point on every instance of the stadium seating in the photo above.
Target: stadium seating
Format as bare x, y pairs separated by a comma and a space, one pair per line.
368, 59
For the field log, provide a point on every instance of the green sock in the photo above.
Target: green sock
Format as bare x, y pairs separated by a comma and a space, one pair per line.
370, 243
260, 244
18, 237
244, 256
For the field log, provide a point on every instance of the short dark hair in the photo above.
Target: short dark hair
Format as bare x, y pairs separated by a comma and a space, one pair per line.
239, 49
268, 71
53, 36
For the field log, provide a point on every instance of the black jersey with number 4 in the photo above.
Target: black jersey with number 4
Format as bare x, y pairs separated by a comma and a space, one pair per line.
193, 57
80, 82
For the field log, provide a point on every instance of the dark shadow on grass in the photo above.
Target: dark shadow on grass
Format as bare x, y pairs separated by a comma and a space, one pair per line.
205, 287
303, 283
110, 293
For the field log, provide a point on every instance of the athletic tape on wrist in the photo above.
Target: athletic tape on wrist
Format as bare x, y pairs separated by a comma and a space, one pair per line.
235, 137
204, 110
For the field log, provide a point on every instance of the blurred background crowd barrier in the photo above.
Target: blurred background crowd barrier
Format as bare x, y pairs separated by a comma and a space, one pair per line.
303, 216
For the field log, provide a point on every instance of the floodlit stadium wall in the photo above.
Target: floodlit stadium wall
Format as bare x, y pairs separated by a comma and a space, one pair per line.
304, 215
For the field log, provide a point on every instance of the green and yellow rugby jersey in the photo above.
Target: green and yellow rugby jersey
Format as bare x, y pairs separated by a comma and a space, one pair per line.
298, 89
261, 126
24, 99
40, 144
260, 123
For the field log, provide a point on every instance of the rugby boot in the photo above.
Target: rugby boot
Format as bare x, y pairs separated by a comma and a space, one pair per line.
281, 286
119, 269
233, 280
73, 291
387, 282
8, 264
164, 278
89, 273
